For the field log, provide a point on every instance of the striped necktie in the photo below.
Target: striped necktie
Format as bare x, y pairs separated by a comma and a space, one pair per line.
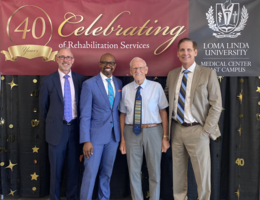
111, 95
138, 112
181, 99
67, 100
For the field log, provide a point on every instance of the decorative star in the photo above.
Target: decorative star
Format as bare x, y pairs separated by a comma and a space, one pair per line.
155, 78
2, 164
35, 149
11, 165
220, 78
34, 189
12, 84
2, 121
258, 89
240, 96
12, 192
147, 194
34, 176
240, 130
2, 78
238, 192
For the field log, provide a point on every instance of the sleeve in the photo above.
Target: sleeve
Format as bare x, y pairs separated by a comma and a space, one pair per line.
163, 102
122, 107
85, 112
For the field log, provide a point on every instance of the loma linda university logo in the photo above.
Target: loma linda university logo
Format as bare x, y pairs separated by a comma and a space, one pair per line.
230, 20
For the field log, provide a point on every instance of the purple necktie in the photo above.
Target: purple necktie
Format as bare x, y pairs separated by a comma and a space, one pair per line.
67, 100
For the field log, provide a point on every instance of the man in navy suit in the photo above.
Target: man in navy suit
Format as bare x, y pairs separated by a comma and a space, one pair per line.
99, 127
62, 132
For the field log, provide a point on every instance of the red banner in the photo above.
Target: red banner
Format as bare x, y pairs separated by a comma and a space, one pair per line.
33, 31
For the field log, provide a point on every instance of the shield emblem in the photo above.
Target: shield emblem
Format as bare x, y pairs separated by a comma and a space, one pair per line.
227, 16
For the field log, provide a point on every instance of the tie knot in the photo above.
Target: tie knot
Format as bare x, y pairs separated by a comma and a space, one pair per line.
186, 71
139, 88
66, 76
108, 79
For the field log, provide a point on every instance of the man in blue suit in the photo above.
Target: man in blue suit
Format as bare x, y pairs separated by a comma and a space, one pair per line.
99, 128
59, 106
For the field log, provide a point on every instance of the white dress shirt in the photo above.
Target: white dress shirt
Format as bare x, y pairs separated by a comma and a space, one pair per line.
72, 91
153, 99
188, 118
106, 83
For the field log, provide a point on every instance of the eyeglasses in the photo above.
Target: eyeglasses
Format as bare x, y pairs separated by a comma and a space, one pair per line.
105, 63
136, 68
69, 58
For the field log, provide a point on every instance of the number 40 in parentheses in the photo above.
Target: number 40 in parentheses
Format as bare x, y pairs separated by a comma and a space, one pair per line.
25, 30
240, 162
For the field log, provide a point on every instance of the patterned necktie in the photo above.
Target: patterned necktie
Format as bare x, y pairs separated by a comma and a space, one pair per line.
67, 100
138, 112
181, 99
111, 95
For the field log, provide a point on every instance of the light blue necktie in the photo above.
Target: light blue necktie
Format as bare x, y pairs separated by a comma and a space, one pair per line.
67, 100
181, 99
111, 95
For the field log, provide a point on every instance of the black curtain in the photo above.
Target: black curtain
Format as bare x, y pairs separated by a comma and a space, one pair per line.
234, 156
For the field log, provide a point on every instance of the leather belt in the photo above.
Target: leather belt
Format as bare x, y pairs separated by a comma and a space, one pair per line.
69, 123
187, 124
145, 125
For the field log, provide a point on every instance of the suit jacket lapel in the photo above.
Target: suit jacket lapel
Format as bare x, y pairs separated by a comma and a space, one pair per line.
175, 78
116, 91
102, 89
57, 84
195, 81
76, 88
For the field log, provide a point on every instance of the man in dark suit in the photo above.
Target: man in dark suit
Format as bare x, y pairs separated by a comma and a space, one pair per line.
59, 106
195, 105
99, 127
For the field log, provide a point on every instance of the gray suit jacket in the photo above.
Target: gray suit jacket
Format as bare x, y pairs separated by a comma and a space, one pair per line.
205, 98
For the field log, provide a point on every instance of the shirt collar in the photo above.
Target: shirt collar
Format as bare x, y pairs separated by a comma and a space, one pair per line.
142, 85
62, 74
104, 78
191, 68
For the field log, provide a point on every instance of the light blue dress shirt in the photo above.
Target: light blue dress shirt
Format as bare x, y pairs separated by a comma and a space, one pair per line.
153, 99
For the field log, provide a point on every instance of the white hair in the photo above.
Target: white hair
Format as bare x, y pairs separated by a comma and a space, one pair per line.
137, 58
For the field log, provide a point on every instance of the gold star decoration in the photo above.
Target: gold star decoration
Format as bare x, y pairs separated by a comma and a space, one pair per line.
11, 126
238, 192
11, 165
2, 78
155, 78
35, 80
240, 96
2, 164
258, 89
34, 176
35, 149
240, 130
2, 121
259, 77
220, 78
12, 84
12, 192
241, 115
241, 80
34, 189
258, 117
147, 194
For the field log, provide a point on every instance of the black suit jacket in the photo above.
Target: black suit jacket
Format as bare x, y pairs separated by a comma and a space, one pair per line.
52, 105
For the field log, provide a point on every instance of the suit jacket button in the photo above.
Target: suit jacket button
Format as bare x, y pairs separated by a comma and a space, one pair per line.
111, 122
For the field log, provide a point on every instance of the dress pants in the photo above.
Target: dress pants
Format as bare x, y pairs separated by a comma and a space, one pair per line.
68, 148
149, 141
103, 159
194, 142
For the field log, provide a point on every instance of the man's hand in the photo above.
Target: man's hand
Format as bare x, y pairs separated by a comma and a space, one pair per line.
122, 146
87, 149
165, 145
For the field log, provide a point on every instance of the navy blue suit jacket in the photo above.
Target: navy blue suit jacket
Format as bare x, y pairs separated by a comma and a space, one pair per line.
97, 117
52, 105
